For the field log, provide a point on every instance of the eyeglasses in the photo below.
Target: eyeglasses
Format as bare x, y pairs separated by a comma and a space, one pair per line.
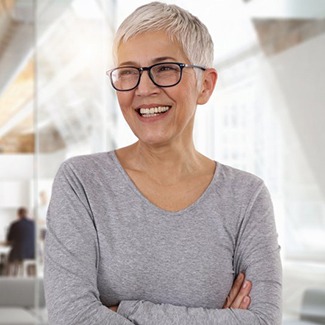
166, 74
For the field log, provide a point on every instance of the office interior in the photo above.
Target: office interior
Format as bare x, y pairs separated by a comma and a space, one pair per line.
266, 117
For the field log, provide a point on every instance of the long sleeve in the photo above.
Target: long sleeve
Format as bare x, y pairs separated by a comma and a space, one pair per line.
71, 258
256, 254
145, 313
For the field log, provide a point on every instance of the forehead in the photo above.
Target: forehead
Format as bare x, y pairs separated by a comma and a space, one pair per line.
146, 47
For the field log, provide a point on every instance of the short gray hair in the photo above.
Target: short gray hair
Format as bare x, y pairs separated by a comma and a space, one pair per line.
179, 24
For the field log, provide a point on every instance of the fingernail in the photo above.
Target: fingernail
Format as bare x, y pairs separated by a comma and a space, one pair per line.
245, 284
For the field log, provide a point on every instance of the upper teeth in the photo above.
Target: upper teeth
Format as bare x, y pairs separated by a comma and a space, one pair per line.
154, 110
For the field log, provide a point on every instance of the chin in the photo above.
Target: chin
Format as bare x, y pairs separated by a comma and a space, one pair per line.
154, 141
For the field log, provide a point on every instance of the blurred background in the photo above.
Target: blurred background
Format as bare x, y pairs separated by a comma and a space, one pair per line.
266, 117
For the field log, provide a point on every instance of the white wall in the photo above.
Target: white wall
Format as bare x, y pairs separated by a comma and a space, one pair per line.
48, 164
16, 167
16, 175
299, 73
14, 193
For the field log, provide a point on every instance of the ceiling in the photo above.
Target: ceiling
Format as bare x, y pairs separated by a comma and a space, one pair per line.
57, 128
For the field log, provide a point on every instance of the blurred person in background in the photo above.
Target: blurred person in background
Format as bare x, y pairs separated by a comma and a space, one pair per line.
41, 220
21, 238
156, 233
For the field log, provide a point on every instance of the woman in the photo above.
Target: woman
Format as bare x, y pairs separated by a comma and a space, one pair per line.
156, 231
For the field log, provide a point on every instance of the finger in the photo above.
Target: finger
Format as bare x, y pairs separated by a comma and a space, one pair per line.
245, 303
227, 303
238, 283
113, 308
244, 292
234, 290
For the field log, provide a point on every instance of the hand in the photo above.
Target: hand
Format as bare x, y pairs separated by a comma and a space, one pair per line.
238, 297
113, 308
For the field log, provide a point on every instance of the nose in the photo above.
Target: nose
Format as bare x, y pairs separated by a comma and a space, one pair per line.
146, 86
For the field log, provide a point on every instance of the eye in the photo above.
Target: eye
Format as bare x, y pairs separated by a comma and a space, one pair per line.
167, 68
124, 72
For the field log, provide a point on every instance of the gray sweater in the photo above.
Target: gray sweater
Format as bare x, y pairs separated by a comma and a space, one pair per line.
106, 244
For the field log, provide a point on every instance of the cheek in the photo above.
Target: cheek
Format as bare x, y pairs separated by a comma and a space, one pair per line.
188, 93
182, 95
124, 100
187, 98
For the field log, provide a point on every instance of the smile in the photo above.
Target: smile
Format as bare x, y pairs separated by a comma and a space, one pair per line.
153, 111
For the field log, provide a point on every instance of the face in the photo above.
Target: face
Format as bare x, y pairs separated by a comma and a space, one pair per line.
174, 107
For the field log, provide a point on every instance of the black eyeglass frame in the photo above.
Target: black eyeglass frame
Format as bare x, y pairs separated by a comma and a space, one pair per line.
141, 69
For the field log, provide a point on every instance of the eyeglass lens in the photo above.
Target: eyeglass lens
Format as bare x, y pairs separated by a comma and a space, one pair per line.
162, 74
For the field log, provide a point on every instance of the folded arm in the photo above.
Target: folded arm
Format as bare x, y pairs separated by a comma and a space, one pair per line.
257, 255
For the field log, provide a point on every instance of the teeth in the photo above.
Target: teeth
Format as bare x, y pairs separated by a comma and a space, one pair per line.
153, 111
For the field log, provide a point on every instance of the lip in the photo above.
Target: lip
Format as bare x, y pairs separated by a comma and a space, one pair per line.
151, 106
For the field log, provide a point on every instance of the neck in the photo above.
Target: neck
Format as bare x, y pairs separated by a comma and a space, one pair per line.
162, 162
167, 158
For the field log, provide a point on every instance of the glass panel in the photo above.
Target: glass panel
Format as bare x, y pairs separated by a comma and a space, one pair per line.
53, 104
73, 40
16, 136
18, 266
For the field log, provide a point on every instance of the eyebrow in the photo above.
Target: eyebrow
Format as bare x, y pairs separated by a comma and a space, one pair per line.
156, 60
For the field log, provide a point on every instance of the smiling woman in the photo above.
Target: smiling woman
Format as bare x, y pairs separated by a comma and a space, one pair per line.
156, 232
178, 96
265, 116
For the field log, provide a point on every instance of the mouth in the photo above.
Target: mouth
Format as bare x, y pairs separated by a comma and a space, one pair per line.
153, 111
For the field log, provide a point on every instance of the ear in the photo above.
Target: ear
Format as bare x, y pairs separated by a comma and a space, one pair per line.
209, 80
